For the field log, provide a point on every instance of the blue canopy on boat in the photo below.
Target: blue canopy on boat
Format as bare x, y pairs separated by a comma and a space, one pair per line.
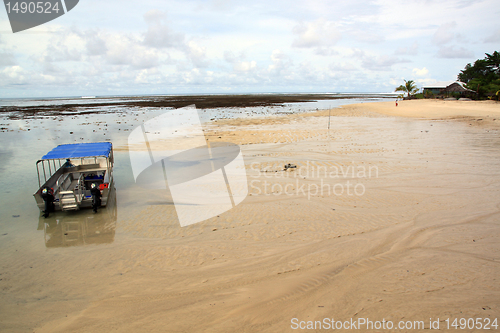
79, 150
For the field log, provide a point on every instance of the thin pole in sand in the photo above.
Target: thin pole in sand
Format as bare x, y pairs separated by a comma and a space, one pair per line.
329, 111
329, 139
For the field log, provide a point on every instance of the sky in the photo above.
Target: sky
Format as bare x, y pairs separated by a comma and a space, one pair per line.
222, 46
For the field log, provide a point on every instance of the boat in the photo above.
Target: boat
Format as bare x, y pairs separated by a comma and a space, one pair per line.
75, 176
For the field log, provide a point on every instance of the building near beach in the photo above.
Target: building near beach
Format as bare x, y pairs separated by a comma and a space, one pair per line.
446, 88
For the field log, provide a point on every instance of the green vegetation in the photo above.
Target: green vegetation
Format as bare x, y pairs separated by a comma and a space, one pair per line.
428, 94
484, 76
410, 87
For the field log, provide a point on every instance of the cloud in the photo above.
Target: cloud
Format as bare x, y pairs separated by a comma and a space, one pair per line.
444, 34
343, 67
201, 46
316, 34
425, 82
197, 55
159, 35
95, 43
382, 63
409, 50
96, 47
230, 57
14, 75
222, 5
325, 51
493, 38
377, 62
125, 50
64, 46
245, 66
307, 72
154, 16
451, 52
420, 72
19, 76
366, 36
280, 66
238, 62
7, 59
148, 76
197, 76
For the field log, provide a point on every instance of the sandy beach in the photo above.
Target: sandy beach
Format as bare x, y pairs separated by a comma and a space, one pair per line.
391, 216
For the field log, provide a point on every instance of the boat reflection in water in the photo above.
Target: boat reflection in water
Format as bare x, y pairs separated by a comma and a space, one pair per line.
84, 227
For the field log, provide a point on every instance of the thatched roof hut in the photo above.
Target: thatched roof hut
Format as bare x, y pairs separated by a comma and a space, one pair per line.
446, 88
457, 87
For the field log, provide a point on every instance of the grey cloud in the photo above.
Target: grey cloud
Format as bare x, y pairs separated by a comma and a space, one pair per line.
444, 34
7, 59
493, 38
145, 60
307, 71
409, 50
159, 35
452, 52
221, 5
230, 57
95, 44
154, 16
53, 69
381, 63
61, 52
325, 51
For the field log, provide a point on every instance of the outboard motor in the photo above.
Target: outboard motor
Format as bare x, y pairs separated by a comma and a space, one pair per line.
48, 198
96, 196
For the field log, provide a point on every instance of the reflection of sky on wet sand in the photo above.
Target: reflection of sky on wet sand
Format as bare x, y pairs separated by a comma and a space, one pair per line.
24, 141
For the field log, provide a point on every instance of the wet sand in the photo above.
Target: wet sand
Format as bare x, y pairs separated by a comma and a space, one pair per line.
385, 218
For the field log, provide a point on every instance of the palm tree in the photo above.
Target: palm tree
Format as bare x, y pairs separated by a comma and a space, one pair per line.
493, 62
410, 87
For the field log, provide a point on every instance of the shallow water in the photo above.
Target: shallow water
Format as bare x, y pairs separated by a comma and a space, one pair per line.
24, 141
